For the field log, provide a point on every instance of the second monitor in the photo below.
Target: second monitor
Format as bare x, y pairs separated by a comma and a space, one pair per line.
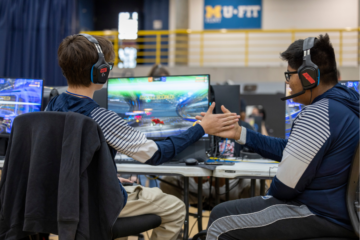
159, 106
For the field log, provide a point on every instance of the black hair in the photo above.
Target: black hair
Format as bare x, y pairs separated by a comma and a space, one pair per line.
322, 54
158, 70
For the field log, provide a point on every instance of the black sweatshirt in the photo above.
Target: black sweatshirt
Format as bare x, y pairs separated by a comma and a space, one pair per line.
58, 177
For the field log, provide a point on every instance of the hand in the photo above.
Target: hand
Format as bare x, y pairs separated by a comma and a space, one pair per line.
124, 180
231, 133
213, 123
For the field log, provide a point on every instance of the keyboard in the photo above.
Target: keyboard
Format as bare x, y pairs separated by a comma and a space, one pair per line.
123, 159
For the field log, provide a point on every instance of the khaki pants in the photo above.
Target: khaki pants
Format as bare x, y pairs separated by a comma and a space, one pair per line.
143, 200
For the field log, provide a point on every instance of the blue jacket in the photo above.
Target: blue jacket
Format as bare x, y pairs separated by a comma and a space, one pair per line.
316, 159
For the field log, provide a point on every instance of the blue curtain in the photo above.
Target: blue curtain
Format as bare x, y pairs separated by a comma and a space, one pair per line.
30, 34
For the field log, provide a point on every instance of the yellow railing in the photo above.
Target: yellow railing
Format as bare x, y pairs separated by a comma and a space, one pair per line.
230, 47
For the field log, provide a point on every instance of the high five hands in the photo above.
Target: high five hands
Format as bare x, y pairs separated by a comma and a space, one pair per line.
221, 125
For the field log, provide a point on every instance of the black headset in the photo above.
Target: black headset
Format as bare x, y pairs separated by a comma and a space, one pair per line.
309, 72
101, 69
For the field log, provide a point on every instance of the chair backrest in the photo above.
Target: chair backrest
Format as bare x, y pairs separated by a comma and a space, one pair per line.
352, 198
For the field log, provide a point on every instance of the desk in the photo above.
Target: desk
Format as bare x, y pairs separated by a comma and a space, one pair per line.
253, 169
185, 171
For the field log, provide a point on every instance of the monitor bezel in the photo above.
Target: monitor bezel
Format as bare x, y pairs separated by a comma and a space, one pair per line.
162, 138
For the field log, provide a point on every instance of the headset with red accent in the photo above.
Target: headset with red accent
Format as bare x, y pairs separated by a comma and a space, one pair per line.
101, 69
309, 72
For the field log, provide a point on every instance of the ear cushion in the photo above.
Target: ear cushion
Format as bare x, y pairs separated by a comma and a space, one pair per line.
99, 74
309, 77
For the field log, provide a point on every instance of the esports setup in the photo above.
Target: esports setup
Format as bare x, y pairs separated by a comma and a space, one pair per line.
17, 96
161, 107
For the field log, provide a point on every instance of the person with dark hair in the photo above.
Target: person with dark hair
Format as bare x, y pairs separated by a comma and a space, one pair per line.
77, 58
307, 197
259, 112
158, 71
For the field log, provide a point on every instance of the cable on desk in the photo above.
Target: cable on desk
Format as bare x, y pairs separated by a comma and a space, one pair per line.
152, 178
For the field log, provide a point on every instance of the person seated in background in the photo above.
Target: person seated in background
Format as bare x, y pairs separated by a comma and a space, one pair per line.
77, 56
158, 71
259, 111
242, 110
307, 197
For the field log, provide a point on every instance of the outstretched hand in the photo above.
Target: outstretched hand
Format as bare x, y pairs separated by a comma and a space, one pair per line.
229, 123
214, 123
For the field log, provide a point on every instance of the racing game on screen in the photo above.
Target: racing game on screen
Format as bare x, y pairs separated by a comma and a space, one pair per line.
18, 96
159, 106
292, 109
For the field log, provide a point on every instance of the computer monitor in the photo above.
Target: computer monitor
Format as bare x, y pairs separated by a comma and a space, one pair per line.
354, 84
18, 96
159, 106
292, 109
227, 95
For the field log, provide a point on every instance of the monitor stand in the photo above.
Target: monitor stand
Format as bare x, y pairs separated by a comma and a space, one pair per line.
4, 140
197, 150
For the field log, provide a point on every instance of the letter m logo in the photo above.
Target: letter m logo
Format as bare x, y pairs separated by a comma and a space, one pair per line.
213, 12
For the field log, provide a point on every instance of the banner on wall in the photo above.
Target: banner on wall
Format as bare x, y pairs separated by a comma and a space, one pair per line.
232, 14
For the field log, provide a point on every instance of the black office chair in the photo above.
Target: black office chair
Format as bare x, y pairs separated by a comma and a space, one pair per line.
123, 227
353, 193
352, 200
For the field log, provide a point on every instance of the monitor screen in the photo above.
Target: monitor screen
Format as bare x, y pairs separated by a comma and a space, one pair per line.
18, 96
159, 106
292, 109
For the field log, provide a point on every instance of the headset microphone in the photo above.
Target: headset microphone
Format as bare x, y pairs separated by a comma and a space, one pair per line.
292, 96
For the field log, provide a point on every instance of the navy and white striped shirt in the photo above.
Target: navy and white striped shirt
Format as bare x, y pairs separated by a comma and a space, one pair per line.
123, 138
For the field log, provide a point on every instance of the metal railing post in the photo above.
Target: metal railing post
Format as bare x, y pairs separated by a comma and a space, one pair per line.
246, 59
158, 49
116, 49
341, 48
201, 49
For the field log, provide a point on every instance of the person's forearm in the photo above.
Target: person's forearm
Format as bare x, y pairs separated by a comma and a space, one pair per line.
268, 147
173, 145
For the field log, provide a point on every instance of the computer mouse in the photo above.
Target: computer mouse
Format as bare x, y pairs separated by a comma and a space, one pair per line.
191, 161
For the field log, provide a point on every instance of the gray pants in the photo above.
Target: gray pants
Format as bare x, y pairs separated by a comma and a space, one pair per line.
271, 219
